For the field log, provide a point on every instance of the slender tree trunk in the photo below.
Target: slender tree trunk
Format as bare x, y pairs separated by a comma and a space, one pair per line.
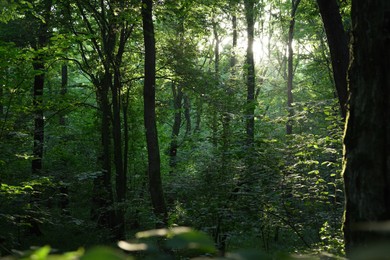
250, 74
367, 139
290, 66
338, 46
39, 82
233, 59
155, 184
198, 118
187, 114
38, 116
64, 89
126, 129
120, 175
214, 116
102, 197
177, 105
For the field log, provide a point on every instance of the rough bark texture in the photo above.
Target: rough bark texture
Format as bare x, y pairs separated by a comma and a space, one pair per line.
155, 184
338, 47
367, 138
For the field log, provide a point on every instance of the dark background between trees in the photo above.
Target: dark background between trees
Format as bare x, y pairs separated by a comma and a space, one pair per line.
224, 116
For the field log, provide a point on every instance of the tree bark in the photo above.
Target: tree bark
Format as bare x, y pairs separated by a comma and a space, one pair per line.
367, 139
338, 47
250, 74
155, 184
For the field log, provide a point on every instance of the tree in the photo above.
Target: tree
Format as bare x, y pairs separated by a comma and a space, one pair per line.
64, 89
42, 40
250, 73
101, 36
290, 65
154, 171
367, 145
338, 46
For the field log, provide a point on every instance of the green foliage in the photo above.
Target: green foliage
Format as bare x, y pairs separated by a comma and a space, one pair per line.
282, 194
173, 243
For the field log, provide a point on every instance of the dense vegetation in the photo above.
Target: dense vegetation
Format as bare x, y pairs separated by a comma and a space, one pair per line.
248, 119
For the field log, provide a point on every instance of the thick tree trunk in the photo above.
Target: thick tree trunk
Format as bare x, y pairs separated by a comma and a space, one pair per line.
367, 140
250, 74
290, 66
338, 46
155, 185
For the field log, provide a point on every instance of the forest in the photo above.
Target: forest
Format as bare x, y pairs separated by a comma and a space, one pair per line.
180, 129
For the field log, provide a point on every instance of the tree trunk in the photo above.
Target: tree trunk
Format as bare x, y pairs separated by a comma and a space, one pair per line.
250, 74
214, 117
198, 117
120, 175
39, 123
64, 89
102, 197
155, 184
187, 114
177, 105
39, 82
367, 139
233, 59
290, 66
338, 46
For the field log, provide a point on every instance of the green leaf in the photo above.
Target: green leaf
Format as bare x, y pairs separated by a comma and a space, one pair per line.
41, 253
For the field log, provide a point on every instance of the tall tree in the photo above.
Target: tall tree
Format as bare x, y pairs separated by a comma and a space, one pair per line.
154, 171
290, 64
250, 72
338, 47
367, 138
177, 94
43, 36
102, 60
